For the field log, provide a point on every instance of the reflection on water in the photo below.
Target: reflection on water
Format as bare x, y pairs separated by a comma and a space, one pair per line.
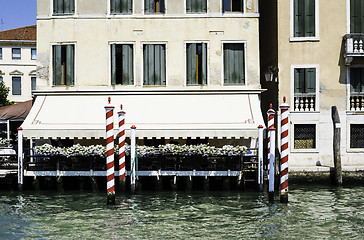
312, 212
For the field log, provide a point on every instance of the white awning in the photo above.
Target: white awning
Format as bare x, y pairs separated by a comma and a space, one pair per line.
235, 114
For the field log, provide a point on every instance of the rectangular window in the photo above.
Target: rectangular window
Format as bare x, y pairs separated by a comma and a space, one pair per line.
16, 53
196, 63
34, 53
154, 6
234, 70
304, 18
304, 136
232, 5
356, 89
34, 83
356, 135
16, 86
305, 89
1, 53
63, 65
154, 64
196, 6
121, 6
122, 64
63, 7
356, 16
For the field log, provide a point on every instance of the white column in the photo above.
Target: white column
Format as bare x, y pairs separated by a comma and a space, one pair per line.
271, 163
132, 158
260, 157
20, 158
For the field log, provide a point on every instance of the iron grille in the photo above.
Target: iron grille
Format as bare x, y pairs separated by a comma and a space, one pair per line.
304, 136
357, 136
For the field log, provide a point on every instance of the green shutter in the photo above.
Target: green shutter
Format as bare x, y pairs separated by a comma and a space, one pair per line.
70, 64
299, 80
188, 6
127, 64
157, 64
129, 6
191, 63
112, 6
204, 63
356, 16
148, 6
298, 18
67, 6
204, 5
310, 80
57, 65
309, 18
163, 64
72, 6
226, 64
113, 64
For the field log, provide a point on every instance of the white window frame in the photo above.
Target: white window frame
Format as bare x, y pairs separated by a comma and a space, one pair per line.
31, 53
134, 69
353, 121
245, 63
21, 85
195, 14
155, 14
120, 15
207, 62
317, 96
142, 65
232, 13
302, 39
51, 63
12, 54
62, 15
304, 150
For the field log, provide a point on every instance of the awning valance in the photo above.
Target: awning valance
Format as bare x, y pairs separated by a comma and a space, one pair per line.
160, 114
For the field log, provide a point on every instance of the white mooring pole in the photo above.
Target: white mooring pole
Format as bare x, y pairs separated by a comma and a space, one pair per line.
20, 158
260, 157
272, 131
132, 158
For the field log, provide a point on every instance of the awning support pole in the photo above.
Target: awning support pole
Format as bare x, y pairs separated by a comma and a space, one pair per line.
284, 151
20, 159
132, 158
260, 157
8, 129
110, 184
121, 146
272, 131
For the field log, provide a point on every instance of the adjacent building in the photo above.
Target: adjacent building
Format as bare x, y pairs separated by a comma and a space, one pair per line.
18, 58
184, 71
318, 58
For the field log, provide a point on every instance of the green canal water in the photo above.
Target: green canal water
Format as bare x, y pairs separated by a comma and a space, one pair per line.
313, 212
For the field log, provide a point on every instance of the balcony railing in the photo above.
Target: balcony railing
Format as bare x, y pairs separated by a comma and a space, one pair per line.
305, 102
357, 102
353, 46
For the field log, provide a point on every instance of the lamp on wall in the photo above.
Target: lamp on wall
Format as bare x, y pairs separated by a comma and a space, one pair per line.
271, 73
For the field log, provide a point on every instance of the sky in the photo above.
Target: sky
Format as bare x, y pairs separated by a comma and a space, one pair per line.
17, 13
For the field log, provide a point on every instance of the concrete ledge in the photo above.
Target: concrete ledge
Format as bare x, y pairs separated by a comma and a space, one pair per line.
324, 177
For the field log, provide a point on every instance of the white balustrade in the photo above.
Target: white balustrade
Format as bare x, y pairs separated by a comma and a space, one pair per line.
357, 102
305, 103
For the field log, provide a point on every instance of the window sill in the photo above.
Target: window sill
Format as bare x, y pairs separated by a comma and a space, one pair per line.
304, 39
355, 150
305, 150
355, 112
305, 112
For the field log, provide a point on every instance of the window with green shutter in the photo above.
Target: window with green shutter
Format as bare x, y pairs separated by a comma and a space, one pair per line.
196, 63
232, 5
196, 6
304, 80
33, 83
154, 64
121, 6
356, 16
234, 70
154, 6
304, 18
122, 71
63, 65
357, 80
61, 7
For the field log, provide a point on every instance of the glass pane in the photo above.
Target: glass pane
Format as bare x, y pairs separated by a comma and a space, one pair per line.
16, 53
34, 83
1, 53
234, 72
34, 54
16, 86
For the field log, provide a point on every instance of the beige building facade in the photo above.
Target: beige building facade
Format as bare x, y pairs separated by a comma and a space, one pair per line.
320, 66
170, 49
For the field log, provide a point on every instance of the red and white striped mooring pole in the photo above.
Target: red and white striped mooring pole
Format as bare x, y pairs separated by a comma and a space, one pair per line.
284, 151
121, 146
270, 114
110, 154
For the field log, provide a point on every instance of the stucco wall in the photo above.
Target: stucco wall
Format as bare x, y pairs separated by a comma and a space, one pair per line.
93, 36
